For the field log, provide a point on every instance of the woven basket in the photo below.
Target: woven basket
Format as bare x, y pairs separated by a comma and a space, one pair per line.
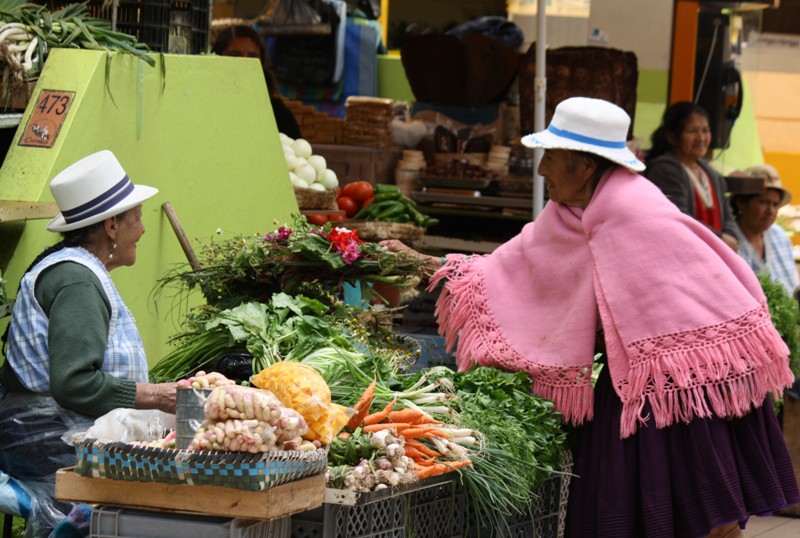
314, 199
254, 472
376, 230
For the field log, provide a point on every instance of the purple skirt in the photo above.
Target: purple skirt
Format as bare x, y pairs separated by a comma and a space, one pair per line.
683, 480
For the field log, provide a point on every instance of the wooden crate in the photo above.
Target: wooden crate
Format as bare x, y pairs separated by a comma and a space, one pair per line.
356, 163
283, 500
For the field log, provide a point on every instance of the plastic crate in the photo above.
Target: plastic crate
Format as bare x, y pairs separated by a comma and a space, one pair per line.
109, 522
385, 518
150, 21
545, 517
432, 508
437, 512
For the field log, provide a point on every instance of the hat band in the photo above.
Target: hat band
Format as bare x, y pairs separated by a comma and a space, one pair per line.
586, 139
101, 203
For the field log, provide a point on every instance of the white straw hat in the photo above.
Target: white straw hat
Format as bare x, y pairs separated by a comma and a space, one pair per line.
591, 125
773, 180
92, 190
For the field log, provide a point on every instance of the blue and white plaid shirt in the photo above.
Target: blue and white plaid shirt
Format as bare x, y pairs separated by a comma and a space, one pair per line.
28, 351
779, 262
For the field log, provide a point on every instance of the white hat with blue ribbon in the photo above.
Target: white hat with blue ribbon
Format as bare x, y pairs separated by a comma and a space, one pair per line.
92, 190
591, 125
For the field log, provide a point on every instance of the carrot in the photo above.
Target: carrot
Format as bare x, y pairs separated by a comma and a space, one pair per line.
421, 447
422, 432
372, 428
412, 416
425, 419
380, 416
413, 453
362, 406
408, 415
439, 468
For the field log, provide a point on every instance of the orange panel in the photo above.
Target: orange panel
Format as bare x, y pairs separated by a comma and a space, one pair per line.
684, 50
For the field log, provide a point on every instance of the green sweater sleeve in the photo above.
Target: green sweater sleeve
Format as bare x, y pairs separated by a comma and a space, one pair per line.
79, 313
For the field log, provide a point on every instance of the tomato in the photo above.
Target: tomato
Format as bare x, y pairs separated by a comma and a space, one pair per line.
366, 202
358, 191
337, 218
317, 219
348, 205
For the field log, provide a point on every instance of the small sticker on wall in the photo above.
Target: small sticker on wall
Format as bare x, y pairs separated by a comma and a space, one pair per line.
44, 124
598, 36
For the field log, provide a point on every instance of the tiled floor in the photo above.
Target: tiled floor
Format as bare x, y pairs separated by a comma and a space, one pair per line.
773, 527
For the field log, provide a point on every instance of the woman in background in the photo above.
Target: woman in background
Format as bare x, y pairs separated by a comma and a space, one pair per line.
675, 163
763, 244
243, 41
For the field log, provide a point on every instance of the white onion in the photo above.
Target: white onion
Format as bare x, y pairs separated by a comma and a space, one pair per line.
318, 162
285, 139
291, 161
306, 172
297, 182
328, 178
302, 148
317, 187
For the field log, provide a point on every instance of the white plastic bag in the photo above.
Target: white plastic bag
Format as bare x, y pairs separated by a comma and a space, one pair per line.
129, 425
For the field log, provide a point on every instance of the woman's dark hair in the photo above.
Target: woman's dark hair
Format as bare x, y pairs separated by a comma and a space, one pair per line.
240, 31
672, 123
736, 198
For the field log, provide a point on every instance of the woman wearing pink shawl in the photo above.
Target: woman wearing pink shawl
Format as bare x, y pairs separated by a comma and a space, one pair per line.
678, 437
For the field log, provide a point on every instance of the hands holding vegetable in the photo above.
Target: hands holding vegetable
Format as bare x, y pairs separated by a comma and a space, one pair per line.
432, 263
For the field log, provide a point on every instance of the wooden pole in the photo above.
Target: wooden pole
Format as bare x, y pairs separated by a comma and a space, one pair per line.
182, 239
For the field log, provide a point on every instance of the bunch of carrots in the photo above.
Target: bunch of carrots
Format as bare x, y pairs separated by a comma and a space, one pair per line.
419, 430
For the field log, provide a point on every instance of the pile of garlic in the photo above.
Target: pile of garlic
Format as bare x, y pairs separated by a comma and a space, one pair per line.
307, 171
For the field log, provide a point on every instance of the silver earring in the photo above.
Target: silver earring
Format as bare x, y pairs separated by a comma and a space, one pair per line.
111, 254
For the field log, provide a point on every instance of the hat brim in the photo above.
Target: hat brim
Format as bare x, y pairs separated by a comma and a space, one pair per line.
548, 140
786, 196
140, 194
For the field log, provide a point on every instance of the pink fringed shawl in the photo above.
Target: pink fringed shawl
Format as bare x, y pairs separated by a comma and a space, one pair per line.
685, 320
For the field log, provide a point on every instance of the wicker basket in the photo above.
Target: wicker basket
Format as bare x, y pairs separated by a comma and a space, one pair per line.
376, 230
254, 472
314, 199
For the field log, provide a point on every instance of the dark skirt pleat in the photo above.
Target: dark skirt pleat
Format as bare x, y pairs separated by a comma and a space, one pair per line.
683, 480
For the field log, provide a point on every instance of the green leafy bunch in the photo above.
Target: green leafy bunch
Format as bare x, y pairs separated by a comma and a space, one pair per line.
296, 259
785, 314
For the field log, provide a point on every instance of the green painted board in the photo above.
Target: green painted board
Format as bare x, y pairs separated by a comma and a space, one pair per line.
201, 130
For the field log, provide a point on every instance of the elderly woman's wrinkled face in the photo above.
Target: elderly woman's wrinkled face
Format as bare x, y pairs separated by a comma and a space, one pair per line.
567, 176
759, 213
692, 143
130, 229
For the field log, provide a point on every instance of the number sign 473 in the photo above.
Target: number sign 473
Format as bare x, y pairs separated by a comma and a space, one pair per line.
54, 103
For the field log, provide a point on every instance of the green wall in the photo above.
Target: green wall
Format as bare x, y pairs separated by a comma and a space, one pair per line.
201, 130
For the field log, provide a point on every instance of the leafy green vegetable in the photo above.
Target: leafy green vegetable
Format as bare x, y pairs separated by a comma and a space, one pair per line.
785, 314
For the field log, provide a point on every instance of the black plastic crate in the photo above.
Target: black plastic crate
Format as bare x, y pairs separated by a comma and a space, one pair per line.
437, 512
150, 21
385, 518
544, 518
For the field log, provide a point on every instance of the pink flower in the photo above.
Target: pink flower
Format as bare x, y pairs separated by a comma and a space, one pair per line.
282, 234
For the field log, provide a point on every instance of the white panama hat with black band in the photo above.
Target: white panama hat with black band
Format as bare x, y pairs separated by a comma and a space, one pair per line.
590, 125
92, 190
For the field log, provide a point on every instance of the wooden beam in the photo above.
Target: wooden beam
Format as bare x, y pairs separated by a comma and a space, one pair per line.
13, 210
684, 50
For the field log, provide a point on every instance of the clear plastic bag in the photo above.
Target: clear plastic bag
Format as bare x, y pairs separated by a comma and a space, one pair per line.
33, 433
129, 425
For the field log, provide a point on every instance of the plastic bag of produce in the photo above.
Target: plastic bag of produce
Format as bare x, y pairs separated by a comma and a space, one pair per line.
303, 389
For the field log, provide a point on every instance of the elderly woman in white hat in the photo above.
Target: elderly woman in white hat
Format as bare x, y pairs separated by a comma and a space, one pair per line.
674, 438
763, 244
73, 351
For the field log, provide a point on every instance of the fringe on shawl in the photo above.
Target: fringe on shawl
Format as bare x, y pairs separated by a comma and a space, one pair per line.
723, 370
462, 314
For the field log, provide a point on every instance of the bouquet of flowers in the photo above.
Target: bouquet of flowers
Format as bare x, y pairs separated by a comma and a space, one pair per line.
296, 259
